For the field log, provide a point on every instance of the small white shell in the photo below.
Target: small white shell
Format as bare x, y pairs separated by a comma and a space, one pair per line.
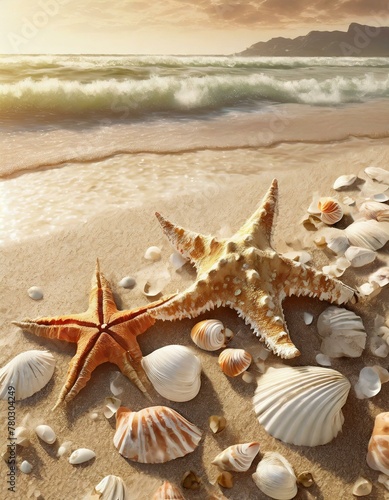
359, 257
342, 331
378, 448
275, 477
367, 234
64, 448
323, 360
35, 293
330, 210
308, 318
154, 435
301, 405
209, 335
153, 253
238, 457
381, 197
174, 371
46, 433
378, 174
369, 383
27, 373
233, 362
127, 282
362, 487
168, 491
81, 455
112, 488
152, 290
344, 181
111, 406
26, 467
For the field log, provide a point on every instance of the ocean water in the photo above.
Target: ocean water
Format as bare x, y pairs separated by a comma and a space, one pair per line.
166, 124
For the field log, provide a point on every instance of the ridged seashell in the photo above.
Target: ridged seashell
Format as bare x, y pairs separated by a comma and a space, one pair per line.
362, 487
46, 433
367, 234
359, 257
112, 488
174, 371
237, 457
154, 435
301, 405
375, 210
28, 373
378, 448
275, 477
35, 293
209, 335
81, 455
233, 362
153, 253
344, 181
330, 210
378, 174
168, 491
26, 467
342, 331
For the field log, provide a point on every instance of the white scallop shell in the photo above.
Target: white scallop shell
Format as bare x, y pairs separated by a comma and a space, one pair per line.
301, 405
378, 448
112, 488
275, 477
168, 491
378, 174
209, 334
46, 433
81, 455
342, 331
154, 435
367, 234
238, 457
174, 371
344, 181
27, 373
359, 257
233, 362
330, 210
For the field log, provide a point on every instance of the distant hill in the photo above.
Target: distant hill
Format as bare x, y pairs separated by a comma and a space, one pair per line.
358, 41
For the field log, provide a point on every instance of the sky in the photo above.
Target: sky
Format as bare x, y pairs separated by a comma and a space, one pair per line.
171, 26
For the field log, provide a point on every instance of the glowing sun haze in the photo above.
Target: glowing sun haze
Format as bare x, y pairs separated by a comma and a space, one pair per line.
171, 26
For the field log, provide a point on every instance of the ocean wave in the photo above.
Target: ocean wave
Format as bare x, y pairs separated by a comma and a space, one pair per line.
125, 99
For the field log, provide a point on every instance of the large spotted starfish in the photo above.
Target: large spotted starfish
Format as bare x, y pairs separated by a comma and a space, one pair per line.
102, 333
245, 273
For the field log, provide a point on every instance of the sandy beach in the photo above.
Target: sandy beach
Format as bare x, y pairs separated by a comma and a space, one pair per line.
62, 264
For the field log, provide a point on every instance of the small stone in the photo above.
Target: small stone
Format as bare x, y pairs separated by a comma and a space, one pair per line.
362, 487
323, 360
247, 377
35, 293
127, 282
26, 467
308, 318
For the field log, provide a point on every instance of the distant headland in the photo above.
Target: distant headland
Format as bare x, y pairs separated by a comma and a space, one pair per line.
358, 41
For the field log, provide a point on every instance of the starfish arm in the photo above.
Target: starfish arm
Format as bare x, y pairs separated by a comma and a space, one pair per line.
101, 300
258, 228
191, 245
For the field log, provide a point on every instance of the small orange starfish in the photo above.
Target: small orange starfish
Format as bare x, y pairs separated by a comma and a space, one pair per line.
102, 333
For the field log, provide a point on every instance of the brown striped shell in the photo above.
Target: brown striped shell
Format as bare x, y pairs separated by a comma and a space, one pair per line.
209, 334
233, 362
330, 210
378, 449
154, 435
238, 457
168, 491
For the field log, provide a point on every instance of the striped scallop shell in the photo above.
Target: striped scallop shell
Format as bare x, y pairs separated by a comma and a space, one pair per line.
27, 373
112, 488
233, 362
330, 210
238, 457
275, 477
209, 335
301, 405
378, 449
168, 491
154, 435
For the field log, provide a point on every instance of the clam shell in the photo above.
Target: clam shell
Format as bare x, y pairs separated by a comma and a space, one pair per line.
28, 373
367, 234
301, 405
344, 181
154, 435
233, 362
168, 491
174, 371
359, 257
81, 455
209, 335
238, 457
342, 331
275, 477
112, 488
378, 174
46, 433
330, 210
378, 448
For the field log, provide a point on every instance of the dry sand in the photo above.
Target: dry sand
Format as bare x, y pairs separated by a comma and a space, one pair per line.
63, 264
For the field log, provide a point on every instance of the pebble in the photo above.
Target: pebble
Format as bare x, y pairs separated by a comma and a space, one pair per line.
127, 282
35, 293
26, 467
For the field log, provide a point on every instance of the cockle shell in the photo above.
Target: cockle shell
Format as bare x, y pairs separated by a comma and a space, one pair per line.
233, 362
378, 448
344, 181
81, 455
367, 234
342, 331
46, 433
238, 457
209, 335
27, 373
275, 477
112, 488
330, 210
301, 405
168, 491
359, 257
174, 371
154, 435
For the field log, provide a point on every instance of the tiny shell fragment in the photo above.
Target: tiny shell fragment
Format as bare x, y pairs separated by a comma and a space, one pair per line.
362, 487
35, 293
26, 467
127, 282
111, 406
305, 479
153, 253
